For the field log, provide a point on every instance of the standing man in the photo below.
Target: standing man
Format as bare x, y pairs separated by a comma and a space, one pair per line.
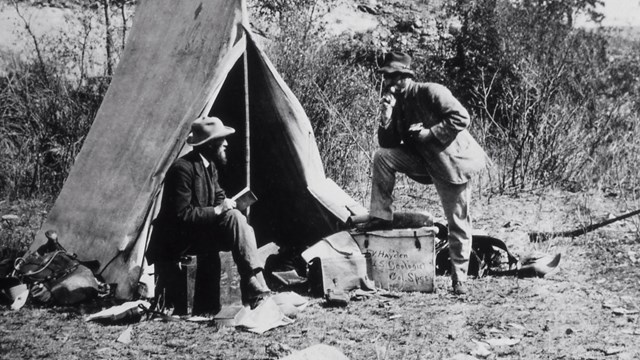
423, 134
196, 217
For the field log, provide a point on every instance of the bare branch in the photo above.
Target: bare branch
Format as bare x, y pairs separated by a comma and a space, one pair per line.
36, 44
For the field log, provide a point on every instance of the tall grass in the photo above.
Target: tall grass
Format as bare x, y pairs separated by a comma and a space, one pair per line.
43, 125
48, 100
555, 105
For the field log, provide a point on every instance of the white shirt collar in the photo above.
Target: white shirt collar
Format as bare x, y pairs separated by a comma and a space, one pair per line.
204, 161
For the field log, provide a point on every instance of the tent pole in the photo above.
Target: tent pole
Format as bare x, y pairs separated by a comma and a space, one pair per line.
245, 23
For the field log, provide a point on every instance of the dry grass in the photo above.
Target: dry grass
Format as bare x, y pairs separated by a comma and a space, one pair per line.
572, 313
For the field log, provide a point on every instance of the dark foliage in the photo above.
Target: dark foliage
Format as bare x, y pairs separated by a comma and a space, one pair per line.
44, 122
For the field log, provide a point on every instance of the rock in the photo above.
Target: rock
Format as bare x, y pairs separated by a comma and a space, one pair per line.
125, 336
481, 350
502, 342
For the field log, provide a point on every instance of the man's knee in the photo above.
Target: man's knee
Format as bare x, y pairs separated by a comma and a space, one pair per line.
235, 213
235, 217
380, 155
381, 158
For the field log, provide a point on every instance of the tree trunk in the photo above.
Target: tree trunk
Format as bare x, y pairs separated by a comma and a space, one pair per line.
124, 22
109, 42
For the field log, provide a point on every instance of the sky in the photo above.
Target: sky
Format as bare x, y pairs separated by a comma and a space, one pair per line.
621, 13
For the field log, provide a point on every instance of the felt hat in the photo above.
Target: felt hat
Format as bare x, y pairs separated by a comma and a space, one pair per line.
396, 62
538, 265
206, 128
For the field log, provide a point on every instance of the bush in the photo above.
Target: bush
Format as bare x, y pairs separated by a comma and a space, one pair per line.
17, 232
44, 122
551, 105
48, 100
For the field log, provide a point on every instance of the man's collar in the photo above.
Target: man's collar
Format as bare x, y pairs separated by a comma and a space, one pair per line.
204, 161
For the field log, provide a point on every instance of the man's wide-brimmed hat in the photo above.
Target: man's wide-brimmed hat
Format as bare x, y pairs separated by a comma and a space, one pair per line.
207, 128
538, 265
396, 62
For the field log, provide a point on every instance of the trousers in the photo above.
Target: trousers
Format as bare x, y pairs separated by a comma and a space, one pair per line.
455, 199
232, 232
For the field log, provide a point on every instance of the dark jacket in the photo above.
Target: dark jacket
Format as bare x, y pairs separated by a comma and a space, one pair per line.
455, 156
187, 209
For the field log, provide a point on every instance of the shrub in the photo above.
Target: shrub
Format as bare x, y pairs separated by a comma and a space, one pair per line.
16, 235
550, 104
48, 100
44, 123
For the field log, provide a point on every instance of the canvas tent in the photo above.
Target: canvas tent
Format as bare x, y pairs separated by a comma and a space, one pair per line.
182, 59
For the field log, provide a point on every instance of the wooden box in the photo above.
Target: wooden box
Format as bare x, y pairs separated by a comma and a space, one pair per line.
400, 259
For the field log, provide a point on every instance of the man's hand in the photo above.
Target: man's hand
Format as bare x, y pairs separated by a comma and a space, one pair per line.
387, 102
226, 205
420, 134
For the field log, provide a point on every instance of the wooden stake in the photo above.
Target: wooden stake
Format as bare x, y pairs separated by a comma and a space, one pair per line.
245, 23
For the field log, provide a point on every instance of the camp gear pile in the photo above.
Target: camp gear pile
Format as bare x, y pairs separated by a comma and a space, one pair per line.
56, 276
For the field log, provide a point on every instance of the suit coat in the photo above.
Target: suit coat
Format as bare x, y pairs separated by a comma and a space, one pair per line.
185, 221
454, 156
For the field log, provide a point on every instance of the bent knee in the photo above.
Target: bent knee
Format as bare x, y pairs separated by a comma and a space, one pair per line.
235, 215
387, 154
380, 155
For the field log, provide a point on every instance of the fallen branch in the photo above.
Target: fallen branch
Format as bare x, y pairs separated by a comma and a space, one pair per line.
544, 236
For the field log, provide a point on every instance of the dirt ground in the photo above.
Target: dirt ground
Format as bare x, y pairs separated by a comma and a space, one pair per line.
587, 309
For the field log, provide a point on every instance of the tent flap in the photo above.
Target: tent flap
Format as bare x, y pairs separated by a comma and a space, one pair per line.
334, 199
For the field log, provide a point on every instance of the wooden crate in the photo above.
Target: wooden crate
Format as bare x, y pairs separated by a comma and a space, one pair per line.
400, 259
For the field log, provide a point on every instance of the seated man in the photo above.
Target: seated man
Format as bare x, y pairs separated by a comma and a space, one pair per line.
196, 217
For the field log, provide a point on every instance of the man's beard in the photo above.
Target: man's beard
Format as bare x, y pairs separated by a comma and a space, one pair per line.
221, 157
